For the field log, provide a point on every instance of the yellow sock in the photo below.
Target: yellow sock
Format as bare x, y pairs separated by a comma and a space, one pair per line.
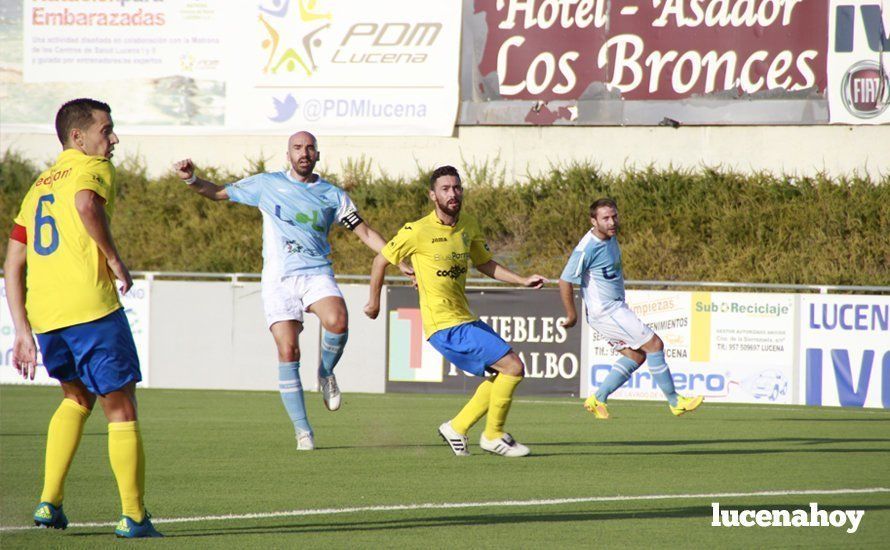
62, 439
475, 409
501, 396
141, 473
127, 463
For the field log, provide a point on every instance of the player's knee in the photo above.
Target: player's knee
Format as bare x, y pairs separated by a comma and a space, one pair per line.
120, 406
80, 395
86, 401
654, 345
513, 366
338, 324
519, 371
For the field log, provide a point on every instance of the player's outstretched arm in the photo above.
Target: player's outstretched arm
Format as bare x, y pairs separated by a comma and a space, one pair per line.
501, 273
369, 236
24, 350
91, 208
378, 270
185, 170
375, 242
567, 294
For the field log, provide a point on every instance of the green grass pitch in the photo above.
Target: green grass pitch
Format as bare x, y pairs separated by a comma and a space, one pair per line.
217, 453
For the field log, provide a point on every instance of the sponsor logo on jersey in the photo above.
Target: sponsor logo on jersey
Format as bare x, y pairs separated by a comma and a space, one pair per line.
455, 272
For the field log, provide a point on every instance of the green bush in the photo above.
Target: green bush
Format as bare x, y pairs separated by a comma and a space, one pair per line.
704, 225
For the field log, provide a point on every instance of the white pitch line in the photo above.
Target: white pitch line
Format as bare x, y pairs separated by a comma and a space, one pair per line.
503, 503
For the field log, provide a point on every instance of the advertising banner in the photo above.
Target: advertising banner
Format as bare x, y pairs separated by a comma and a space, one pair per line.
859, 62
70, 41
348, 67
191, 67
845, 350
729, 347
527, 320
136, 306
629, 62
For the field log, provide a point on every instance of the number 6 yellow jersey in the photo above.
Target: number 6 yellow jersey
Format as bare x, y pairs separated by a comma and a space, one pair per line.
68, 280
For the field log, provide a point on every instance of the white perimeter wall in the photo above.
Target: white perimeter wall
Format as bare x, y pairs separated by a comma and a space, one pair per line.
213, 335
520, 150
814, 349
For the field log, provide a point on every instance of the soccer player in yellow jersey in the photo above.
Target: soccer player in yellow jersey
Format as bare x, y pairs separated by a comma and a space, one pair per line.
440, 246
60, 267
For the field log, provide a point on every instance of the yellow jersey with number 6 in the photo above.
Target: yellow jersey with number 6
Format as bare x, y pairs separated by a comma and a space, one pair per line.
68, 280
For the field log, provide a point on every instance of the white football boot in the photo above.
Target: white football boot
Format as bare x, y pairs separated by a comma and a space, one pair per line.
505, 446
305, 441
330, 392
457, 442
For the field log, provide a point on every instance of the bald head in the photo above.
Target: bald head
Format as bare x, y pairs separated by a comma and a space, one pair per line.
302, 136
302, 153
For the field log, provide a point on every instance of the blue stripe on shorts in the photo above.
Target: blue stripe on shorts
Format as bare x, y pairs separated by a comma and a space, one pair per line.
471, 346
100, 353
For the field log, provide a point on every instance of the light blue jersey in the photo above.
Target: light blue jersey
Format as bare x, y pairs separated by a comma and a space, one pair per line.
297, 217
596, 265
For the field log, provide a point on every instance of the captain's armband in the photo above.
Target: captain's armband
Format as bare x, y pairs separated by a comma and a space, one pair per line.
351, 221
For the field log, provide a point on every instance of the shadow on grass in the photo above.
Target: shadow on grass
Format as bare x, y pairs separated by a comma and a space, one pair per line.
381, 446
470, 520
764, 446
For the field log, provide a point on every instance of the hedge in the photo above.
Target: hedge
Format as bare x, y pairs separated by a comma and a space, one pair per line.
701, 225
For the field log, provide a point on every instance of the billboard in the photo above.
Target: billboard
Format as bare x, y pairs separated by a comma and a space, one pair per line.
845, 350
270, 67
859, 62
728, 347
527, 320
670, 62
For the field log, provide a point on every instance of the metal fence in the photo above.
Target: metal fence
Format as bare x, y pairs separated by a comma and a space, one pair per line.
771, 287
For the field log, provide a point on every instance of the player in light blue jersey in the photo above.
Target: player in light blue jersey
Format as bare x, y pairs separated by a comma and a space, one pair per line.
595, 264
298, 209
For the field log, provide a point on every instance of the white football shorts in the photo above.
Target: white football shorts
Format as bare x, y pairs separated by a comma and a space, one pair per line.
621, 327
286, 299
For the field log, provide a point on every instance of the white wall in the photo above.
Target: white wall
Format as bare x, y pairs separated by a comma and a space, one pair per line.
213, 335
519, 150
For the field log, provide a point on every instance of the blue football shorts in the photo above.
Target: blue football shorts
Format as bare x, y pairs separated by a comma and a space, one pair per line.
100, 353
471, 346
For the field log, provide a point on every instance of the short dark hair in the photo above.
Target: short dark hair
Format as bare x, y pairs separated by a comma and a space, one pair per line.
77, 113
602, 203
443, 171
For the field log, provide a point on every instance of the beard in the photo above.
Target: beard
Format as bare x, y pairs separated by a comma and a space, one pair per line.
302, 170
450, 210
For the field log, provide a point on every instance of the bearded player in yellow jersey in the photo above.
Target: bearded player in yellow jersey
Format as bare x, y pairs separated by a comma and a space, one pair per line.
61, 265
440, 246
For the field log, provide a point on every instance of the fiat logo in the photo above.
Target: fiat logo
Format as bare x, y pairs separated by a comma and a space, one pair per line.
865, 90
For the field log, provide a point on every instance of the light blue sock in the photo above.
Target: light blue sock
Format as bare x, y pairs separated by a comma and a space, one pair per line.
620, 373
331, 350
291, 391
662, 375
